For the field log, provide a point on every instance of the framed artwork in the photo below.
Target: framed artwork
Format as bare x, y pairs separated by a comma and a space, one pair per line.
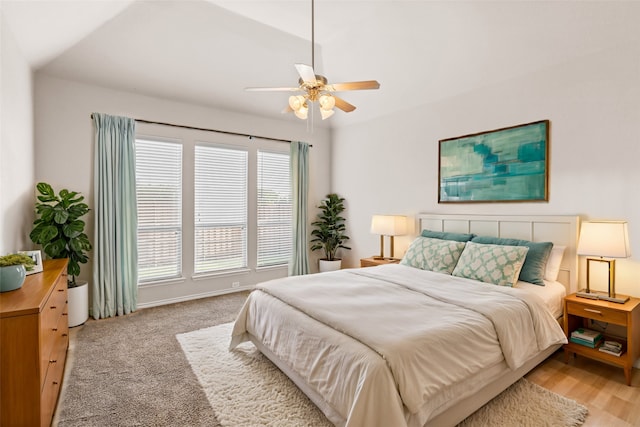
37, 259
503, 165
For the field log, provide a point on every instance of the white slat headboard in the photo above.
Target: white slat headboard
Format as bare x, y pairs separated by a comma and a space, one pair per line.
559, 229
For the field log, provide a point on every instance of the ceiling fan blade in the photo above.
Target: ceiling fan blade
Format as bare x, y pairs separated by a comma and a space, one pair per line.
366, 84
344, 105
306, 73
272, 89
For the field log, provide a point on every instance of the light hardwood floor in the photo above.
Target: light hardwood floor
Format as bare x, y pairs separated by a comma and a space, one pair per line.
598, 386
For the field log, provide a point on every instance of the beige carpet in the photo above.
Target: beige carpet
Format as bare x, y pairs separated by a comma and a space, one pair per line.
131, 371
245, 389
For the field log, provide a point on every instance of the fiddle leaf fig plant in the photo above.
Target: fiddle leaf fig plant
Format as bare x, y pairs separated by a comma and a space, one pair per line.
329, 233
59, 227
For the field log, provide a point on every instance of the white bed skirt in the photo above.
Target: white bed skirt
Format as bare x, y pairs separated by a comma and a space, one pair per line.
498, 380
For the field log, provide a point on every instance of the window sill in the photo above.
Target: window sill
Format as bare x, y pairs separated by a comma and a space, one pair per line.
273, 267
204, 276
164, 282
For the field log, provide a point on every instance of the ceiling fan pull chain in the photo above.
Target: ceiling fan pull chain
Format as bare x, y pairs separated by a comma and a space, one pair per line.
313, 39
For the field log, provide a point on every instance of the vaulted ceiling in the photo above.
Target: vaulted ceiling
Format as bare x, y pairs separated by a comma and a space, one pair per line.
207, 52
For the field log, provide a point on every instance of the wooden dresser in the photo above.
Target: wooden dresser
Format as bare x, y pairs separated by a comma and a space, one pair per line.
34, 337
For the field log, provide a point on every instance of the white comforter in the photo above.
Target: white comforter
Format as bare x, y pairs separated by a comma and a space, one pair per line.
416, 334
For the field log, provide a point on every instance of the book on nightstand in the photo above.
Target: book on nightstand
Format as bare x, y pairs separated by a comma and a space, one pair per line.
586, 343
611, 347
587, 335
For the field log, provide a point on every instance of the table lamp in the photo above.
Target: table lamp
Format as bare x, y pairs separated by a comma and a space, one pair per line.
607, 240
388, 225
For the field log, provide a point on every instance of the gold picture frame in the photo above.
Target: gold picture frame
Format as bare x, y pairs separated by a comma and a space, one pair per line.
504, 165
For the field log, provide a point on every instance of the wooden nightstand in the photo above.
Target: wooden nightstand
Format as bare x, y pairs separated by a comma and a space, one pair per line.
578, 311
372, 262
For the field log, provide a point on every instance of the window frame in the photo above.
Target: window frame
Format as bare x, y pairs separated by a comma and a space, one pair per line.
179, 276
246, 243
257, 198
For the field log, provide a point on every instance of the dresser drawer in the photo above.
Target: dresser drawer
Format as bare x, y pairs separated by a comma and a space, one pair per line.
51, 389
53, 324
54, 371
32, 336
603, 314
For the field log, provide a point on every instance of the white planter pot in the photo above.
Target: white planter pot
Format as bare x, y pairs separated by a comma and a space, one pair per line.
78, 304
325, 265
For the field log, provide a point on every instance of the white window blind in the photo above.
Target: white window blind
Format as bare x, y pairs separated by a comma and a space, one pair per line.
274, 209
159, 194
220, 209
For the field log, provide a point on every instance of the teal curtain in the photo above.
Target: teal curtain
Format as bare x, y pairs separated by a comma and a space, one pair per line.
299, 263
115, 256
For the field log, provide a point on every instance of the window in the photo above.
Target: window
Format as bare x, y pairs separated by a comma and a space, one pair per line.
220, 209
159, 194
274, 209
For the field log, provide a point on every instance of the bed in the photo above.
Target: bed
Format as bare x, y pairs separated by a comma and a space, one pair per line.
397, 345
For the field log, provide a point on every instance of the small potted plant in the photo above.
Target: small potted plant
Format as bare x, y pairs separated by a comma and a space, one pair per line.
60, 230
329, 232
13, 269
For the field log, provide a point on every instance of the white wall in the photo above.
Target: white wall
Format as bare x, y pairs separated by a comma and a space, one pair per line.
16, 146
64, 156
593, 103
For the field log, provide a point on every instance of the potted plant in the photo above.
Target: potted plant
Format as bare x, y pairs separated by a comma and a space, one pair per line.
60, 230
13, 269
329, 232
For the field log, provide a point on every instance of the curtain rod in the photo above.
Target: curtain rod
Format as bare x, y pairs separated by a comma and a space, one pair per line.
213, 130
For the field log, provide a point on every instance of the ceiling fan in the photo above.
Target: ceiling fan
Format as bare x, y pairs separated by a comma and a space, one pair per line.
315, 87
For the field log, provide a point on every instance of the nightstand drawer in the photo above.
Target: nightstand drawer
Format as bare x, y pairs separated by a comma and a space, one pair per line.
372, 262
603, 314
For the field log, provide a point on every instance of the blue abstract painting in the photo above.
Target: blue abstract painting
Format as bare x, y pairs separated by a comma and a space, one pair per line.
503, 165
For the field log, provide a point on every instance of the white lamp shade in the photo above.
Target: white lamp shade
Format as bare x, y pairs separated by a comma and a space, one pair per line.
389, 225
608, 239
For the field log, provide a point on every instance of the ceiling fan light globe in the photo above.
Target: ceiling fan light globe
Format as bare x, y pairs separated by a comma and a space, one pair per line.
326, 113
327, 102
296, 102
302, 112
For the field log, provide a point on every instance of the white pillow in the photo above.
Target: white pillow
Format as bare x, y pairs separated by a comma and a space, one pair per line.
553, 263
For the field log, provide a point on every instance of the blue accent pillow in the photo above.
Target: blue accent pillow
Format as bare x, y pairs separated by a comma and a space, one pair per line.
534, 264
443, 235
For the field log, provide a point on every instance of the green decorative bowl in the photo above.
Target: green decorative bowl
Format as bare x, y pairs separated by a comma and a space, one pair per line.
11, 277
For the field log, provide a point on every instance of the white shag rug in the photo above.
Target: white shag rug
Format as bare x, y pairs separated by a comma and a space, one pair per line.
245, 389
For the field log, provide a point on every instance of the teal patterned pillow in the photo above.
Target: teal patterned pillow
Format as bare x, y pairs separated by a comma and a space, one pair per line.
534, 265
446, 235
433, 254
497, 264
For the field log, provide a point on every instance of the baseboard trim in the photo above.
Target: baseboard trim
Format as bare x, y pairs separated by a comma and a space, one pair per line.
195, 296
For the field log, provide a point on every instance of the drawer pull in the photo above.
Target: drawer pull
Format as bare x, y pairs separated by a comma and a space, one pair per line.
53, 361
55, 383
590, 310
65, 314
60, 290
64, 335
53, 307
54, 329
